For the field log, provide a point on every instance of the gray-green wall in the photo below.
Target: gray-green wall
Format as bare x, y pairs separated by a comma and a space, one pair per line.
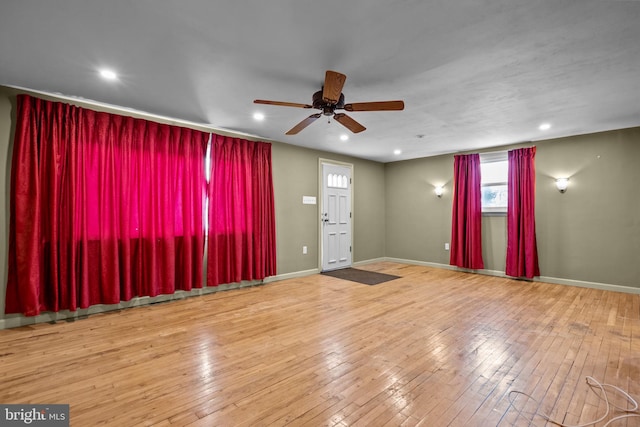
7, 116
295, 174
591, 233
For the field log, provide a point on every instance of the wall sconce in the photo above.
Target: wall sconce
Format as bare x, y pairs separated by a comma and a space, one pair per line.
439, 190
562, 184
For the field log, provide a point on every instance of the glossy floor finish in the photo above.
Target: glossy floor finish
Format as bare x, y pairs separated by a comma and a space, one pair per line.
433, 348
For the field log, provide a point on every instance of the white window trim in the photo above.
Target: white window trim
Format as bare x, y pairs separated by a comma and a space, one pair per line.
495, 156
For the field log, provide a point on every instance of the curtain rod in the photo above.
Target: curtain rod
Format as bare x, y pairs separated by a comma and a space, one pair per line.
492, 152
124, 110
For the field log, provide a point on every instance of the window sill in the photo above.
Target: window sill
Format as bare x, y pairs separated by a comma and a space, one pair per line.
494, 213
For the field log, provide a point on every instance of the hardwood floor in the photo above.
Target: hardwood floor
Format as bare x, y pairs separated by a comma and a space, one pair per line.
433, 348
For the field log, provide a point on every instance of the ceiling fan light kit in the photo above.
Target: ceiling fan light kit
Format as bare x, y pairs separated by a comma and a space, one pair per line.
330, 99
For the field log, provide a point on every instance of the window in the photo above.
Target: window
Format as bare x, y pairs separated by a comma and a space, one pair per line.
337, 181
494, 174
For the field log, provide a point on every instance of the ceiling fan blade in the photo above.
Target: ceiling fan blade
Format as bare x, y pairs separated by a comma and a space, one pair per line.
303, 124
348, 122
333, 83
375, 106
283, 104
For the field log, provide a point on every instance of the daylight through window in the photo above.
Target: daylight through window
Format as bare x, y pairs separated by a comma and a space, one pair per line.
494, 169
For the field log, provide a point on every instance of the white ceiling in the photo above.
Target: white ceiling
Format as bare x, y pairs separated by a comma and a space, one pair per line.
473, 73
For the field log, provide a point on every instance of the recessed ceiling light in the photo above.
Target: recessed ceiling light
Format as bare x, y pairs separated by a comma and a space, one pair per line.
258, 116
108, 74
545, 126
397, 152
344, 137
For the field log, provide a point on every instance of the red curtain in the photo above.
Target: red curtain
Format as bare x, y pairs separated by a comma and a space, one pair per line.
466, 222
104, 208
522, 251
241, 242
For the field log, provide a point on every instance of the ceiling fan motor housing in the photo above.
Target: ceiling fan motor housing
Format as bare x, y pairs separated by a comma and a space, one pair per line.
327, 108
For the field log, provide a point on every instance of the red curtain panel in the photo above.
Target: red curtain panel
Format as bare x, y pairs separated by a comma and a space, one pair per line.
241, 232
522, 250
104, 208
466, 222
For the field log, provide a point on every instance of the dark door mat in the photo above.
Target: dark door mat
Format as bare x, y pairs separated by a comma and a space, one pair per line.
360, 276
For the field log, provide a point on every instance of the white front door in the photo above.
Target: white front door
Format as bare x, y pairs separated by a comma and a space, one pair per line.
335, 216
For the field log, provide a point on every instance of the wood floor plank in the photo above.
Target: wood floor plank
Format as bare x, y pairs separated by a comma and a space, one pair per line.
434, 347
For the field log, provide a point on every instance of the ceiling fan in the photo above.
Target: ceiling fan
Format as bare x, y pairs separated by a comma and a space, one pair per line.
330, 99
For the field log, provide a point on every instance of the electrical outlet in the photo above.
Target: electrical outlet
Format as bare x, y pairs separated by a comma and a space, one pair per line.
304, 250
446, 246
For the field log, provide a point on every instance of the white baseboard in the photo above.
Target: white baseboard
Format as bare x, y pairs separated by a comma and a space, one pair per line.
545, 279
293, 275
16, 320
422, 263
369, 261
592, 285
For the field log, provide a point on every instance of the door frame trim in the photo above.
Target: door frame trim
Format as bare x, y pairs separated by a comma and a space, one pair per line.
324, 161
